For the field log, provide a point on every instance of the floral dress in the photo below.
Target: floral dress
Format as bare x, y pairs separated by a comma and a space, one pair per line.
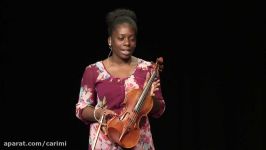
99, 87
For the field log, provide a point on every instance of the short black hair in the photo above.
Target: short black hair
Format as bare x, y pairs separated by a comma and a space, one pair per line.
119, 16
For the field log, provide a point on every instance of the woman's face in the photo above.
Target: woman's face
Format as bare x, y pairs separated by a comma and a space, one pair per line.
123, 41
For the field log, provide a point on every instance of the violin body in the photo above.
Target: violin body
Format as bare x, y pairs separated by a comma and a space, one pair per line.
127, 124
124, 129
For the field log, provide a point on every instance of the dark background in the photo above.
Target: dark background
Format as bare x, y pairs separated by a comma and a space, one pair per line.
213, 80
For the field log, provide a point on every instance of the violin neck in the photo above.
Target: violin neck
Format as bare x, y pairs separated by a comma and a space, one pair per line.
143, 95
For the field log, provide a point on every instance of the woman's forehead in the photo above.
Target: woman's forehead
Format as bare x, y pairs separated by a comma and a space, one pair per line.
124, 28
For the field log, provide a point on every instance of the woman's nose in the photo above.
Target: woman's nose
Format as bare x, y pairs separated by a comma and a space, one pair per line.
126, 41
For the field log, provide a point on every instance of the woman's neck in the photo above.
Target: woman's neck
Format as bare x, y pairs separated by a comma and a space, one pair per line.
118, 61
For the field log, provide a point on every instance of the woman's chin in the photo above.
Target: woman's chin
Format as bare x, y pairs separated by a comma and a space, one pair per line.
125, 57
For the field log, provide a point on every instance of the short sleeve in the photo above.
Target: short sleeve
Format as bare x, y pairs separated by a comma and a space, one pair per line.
87, 90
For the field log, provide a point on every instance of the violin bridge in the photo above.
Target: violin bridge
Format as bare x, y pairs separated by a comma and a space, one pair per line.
123, 116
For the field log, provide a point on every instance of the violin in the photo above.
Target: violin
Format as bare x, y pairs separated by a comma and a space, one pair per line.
124, 128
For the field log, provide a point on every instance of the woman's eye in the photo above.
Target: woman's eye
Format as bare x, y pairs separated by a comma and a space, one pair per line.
133, 39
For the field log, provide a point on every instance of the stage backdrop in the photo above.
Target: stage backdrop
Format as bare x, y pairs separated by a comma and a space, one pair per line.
212, 80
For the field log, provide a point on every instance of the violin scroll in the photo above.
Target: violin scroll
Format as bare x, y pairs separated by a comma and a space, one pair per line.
160, 60
158, 66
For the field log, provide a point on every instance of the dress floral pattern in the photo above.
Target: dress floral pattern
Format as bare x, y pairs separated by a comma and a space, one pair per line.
98, 85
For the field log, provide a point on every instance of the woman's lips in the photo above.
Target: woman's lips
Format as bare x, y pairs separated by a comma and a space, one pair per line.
125, 52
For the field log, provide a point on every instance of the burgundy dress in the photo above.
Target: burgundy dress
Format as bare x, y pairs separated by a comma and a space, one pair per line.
97, 83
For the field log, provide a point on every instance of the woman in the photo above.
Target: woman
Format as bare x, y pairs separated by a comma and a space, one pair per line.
105, 83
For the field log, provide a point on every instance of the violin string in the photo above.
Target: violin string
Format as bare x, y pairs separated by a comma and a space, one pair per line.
142, 100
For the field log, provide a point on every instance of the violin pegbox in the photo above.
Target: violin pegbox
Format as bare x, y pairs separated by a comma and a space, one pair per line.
159, 64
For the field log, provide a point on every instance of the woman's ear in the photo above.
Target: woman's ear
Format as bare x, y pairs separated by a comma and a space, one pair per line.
109, 41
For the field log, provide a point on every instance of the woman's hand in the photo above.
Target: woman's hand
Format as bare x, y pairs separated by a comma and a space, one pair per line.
155, 85
99, 112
